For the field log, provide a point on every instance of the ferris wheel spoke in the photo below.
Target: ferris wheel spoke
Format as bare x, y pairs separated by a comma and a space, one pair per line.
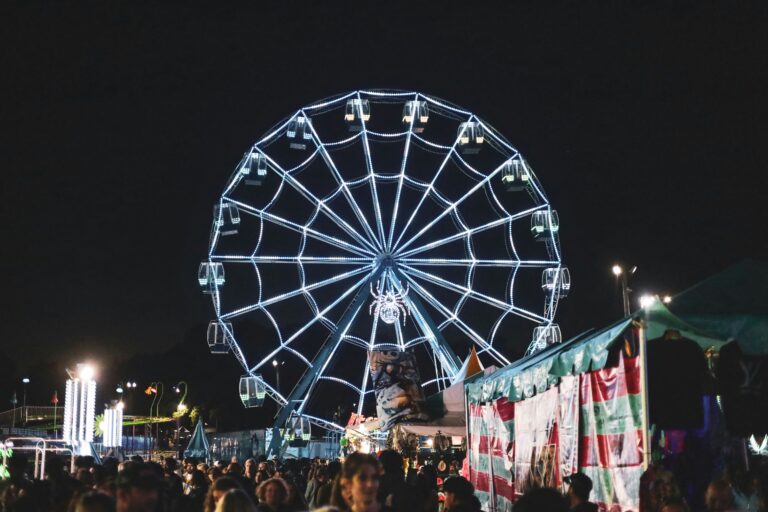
427, 190
453, 206
301, 330
304, 260
299, 291
471, 262
298, 228
317, 202
451, 317
471, 231
455, 287
344, 187
320, 372
400, 179
369, 166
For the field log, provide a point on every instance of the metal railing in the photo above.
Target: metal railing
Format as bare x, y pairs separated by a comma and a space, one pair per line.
21, 415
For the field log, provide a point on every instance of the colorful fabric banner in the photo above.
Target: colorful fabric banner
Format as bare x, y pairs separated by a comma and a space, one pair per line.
536, 442
491, 445
568, 425
399, 395
611, 445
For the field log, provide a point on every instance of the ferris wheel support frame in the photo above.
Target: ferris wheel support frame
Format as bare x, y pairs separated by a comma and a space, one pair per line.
313, 372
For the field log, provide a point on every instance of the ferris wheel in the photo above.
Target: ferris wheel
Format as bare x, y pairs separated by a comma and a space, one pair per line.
378, 220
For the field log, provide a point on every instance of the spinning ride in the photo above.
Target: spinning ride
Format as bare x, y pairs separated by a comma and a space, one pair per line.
395, 200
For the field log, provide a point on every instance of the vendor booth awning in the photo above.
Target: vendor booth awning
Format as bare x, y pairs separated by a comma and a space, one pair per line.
524, 378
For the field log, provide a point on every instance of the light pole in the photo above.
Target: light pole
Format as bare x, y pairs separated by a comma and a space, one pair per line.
24, 381
180, 410
621, 279
277, 364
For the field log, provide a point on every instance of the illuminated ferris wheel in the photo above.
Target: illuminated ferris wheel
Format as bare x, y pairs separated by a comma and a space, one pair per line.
378, 220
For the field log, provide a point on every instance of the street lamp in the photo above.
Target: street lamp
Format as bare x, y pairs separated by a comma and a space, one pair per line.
25, 381
621, 279
647, 300
277, 364
181, 409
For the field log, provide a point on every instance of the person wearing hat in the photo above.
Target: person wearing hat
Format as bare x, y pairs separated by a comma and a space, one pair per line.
580, 485
138, 488
460, 495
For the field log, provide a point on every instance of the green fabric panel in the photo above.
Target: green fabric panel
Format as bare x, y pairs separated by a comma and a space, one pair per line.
621, 414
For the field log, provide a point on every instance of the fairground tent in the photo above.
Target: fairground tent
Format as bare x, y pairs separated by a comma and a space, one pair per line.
731, 305
198, 443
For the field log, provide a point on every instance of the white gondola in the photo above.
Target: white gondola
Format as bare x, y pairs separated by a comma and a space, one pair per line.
252, 390
254, 169
226, 218
355, 110
218, 336
544, 224
210, 275
556, 281
544, 336
471, 137
420, 111
298, 431
299, 131
515, 174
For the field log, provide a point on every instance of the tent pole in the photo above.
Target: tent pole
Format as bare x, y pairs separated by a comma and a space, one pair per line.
644, 392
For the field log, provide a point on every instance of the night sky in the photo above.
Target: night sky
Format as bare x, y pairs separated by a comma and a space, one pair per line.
646, 124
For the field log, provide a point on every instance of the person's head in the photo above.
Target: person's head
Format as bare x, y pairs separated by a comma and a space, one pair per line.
359, 481
428, 476
214, 473
217, 490
391, 463
457, 490
674, 505
234, 469
321, 474
250, 467
579, 488
235, 500
169, 465
273, 492
540, 499
197, 479
138, 488
719, 496
95, 501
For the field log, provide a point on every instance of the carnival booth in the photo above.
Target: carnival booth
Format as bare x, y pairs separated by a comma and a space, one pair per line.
575, 406
686, 380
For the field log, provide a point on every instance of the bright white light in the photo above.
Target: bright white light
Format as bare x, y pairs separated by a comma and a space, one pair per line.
119, 389
430, 442
25, 380
181, 407
647, 300
274, 362
86, 371
120, 405
667, 299
617, 270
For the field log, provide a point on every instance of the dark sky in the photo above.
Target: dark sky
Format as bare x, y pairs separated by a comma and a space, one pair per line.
647, 124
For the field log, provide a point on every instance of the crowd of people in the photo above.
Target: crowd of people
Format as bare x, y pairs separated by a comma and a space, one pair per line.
361, 483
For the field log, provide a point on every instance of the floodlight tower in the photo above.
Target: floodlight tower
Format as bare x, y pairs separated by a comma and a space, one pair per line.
79, 408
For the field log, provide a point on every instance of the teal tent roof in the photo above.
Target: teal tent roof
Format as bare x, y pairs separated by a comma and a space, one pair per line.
198, 443
526, 377
732, 304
